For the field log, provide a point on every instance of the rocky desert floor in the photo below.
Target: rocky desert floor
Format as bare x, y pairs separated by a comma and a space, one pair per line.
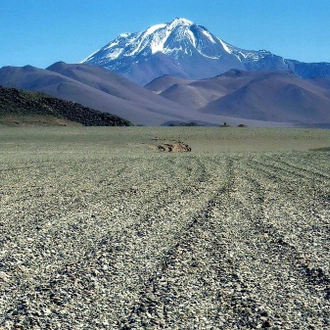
101, 230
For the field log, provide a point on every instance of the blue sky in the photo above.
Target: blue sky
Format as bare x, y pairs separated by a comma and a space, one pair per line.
41, 32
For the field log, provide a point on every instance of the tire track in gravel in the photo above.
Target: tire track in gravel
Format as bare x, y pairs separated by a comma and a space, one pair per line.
317, 281
95, 259
62, 281
164, 196
161, 201
280, 174
294, 168
316, 192
36, 190
227, 283
104, 257
217, 262
152, 309
200, 258
313, 198
254, 249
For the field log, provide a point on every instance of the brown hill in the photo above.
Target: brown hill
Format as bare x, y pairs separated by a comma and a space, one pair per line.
253, 98
277, 96
96, 88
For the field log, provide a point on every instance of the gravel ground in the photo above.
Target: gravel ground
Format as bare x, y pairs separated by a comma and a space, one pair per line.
100, 235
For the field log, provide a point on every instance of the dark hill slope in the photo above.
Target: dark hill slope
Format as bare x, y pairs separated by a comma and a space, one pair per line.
15, 103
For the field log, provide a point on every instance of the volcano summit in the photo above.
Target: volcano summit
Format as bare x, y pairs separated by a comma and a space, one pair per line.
185, 49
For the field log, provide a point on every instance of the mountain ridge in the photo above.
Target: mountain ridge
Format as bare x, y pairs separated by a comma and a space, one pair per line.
267, 96
100, 89
95, 88
252, 98
190, 51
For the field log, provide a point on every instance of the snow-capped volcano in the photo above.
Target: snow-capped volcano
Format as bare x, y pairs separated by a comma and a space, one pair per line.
185, 49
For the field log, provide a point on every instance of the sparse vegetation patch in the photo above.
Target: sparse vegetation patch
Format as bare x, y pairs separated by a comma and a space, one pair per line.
25, 108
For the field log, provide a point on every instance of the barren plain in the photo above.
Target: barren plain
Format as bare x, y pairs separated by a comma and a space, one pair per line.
100, 231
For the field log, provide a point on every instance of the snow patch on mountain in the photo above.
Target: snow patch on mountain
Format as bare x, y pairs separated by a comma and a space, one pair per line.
179, 21
154, 28
188, 50
158, 41
225, 46
178, 40
209, 36
115, 54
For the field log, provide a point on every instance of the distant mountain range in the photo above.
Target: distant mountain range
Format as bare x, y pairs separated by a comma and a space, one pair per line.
187, 50
253, 98
253, 88
95, 88
25, 108
277, 96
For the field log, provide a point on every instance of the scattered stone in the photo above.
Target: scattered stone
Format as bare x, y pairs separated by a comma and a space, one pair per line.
175, 147
106, 239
